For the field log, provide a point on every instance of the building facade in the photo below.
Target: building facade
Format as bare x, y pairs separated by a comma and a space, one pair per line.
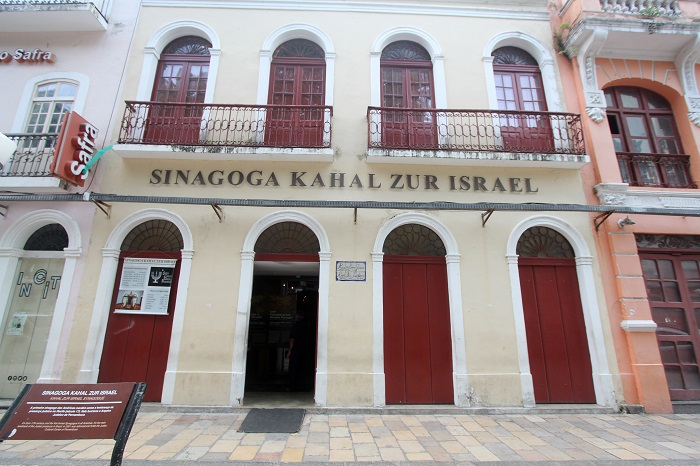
636, 74
364, 204
54, 57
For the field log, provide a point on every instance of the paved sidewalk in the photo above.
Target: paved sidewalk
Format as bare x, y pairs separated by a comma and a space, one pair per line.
181, 438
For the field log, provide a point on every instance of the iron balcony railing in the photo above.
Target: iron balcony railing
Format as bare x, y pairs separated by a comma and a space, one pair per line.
33, 155
97, 3
475, 130
182, 124
646, 8
655, 170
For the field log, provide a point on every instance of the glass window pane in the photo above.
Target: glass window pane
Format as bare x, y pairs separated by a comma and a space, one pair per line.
691, 269
663, 126
666, 269
641, 146
686, 352
668, 352
668, 146
654, 292
692, 377
636, 126
671, 292
673, 377
671, 321
649, 269
656, 102
630, 98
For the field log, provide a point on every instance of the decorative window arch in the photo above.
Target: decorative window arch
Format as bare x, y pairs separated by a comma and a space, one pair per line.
602, 379
412, 35
156, 46
541, 55
289, 33
45, 91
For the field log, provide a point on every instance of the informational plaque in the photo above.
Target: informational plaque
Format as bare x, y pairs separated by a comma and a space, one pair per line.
69, 412
350, 271
145, 286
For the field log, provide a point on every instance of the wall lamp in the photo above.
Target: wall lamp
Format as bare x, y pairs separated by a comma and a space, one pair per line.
623, 222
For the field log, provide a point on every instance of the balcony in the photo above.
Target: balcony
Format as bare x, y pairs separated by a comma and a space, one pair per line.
644, 29
28, 168
53, 15
656, 170
232, 132
476, 137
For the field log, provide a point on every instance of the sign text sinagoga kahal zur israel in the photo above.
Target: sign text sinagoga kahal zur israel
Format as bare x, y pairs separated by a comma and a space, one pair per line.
302, 179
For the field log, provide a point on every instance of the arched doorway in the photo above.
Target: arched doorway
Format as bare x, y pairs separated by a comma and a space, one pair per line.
180, 82
297, 78
417, 336
282, 334
140, 321
557, 344
27, 323
520, 94
407, 83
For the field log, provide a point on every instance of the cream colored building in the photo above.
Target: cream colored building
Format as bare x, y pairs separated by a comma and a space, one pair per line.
406, 175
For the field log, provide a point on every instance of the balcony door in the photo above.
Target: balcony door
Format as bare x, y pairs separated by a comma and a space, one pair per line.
407, 83
181, 80
297, 80
646, 139
520, 93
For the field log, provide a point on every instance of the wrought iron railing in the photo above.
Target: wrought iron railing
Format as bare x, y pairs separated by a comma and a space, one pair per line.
655, 170
32, 156
281, 126
645, 8
98, 3
475, 130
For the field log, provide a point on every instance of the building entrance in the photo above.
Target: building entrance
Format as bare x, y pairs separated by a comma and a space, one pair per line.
282, 335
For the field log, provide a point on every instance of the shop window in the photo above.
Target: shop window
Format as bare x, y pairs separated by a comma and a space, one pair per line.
646, 139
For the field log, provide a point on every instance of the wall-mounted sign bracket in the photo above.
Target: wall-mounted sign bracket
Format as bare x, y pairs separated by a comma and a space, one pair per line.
599, 219
3, 210
355, 216
218, 211
104, 207
485, 217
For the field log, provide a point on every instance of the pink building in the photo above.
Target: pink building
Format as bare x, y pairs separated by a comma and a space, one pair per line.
634, 65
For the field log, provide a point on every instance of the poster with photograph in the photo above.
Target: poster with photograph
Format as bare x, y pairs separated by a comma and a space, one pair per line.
145, 286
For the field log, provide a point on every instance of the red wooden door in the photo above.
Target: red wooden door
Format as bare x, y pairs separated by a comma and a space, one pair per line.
408, 88
673, 289
522, 91
178, 83
136, 345
294, 85
556, 334
417, 337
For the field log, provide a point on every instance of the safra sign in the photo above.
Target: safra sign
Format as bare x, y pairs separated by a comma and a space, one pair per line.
27, 56
74, 148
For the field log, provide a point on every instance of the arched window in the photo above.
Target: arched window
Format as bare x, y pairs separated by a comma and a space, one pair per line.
181, 78
646, 138
407, 83
49, 102
297, 78
519, 89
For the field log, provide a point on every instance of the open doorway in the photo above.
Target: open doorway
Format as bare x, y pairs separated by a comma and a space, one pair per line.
281, 356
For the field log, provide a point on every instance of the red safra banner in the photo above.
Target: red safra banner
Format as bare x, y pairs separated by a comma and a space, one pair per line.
74, 148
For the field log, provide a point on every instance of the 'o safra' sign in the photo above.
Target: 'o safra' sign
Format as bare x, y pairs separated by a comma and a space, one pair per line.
27, 56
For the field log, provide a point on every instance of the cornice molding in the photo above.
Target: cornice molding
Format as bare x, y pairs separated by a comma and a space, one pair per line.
516, 11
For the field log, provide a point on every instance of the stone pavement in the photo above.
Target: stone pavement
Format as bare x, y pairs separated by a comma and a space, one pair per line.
183, 438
